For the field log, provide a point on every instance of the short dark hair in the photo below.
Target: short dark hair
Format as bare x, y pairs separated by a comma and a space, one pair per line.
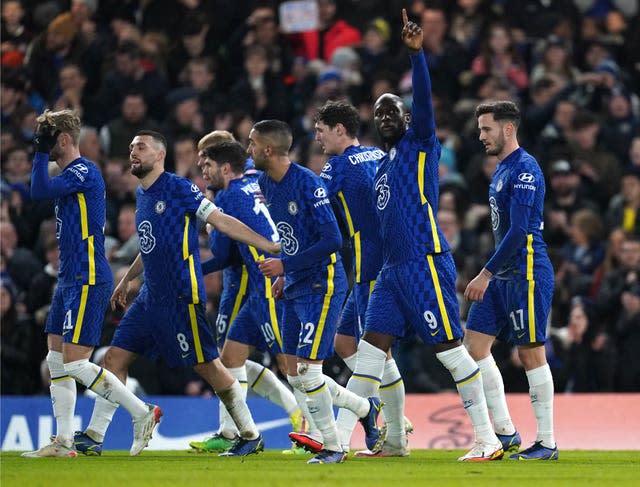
231, 152
157, 136
501, 110
334, 112
278, 132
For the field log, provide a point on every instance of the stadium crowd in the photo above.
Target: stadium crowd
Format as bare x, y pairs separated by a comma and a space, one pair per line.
187, 67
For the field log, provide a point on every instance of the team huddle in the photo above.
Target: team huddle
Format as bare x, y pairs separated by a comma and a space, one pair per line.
274, 233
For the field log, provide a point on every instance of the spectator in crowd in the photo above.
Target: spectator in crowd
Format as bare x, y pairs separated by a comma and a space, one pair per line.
127, 76
555, 62
258, 91
617, 280
565, 198
20, 263
446, 58
72, 81
116, 135
584, 252
581, 354
598, 166
620, 124
59, 43
500, 58
16, 37
628, 331
17, 331
624, 207
332, 32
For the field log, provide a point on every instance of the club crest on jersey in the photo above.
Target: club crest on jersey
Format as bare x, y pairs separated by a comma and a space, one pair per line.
499, 186
392, 154
160, 207
292, 207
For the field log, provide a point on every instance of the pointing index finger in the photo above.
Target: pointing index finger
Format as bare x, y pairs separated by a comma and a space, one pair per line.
405, 19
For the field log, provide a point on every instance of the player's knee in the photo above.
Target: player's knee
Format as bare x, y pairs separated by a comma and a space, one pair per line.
56, 366
82, 370
115, 363
310, 375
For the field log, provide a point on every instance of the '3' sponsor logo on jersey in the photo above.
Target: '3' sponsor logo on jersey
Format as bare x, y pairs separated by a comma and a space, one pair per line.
384, 193
147, 239
287, 239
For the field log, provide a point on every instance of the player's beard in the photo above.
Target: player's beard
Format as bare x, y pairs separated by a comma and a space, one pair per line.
497, 146
141, 170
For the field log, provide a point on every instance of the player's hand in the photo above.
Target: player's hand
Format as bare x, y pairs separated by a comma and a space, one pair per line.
411, 33
45, 138
271, 267
119, 296
277, 288
275, 248
477, 287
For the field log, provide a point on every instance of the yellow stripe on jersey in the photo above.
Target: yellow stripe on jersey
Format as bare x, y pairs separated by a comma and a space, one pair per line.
440, 298
189, 258
80, 318
84, 230
357, 248
194, 281
358, 256
196, 335
275, 326
325, 308
422, 156
434, 231
92, 261
242, 290
347, 213
372, 284
84, 221
531, 315
530, 257
185, 239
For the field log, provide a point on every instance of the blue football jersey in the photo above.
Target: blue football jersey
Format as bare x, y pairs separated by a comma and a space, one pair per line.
407, 186
349, 179
299, 204
80, 220
243, 200
168, 232
519, 179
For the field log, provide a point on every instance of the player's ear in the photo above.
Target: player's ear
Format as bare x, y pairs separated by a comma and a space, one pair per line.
407, 117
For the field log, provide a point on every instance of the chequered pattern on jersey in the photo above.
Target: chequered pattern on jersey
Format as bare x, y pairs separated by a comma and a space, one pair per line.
80, 220
298, 205
406, 189
168, 233
242, 199
349, 179
519, 179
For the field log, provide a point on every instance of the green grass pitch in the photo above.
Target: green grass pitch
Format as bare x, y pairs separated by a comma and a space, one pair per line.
269, 469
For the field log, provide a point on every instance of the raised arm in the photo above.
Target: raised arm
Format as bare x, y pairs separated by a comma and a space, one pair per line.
422, 118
